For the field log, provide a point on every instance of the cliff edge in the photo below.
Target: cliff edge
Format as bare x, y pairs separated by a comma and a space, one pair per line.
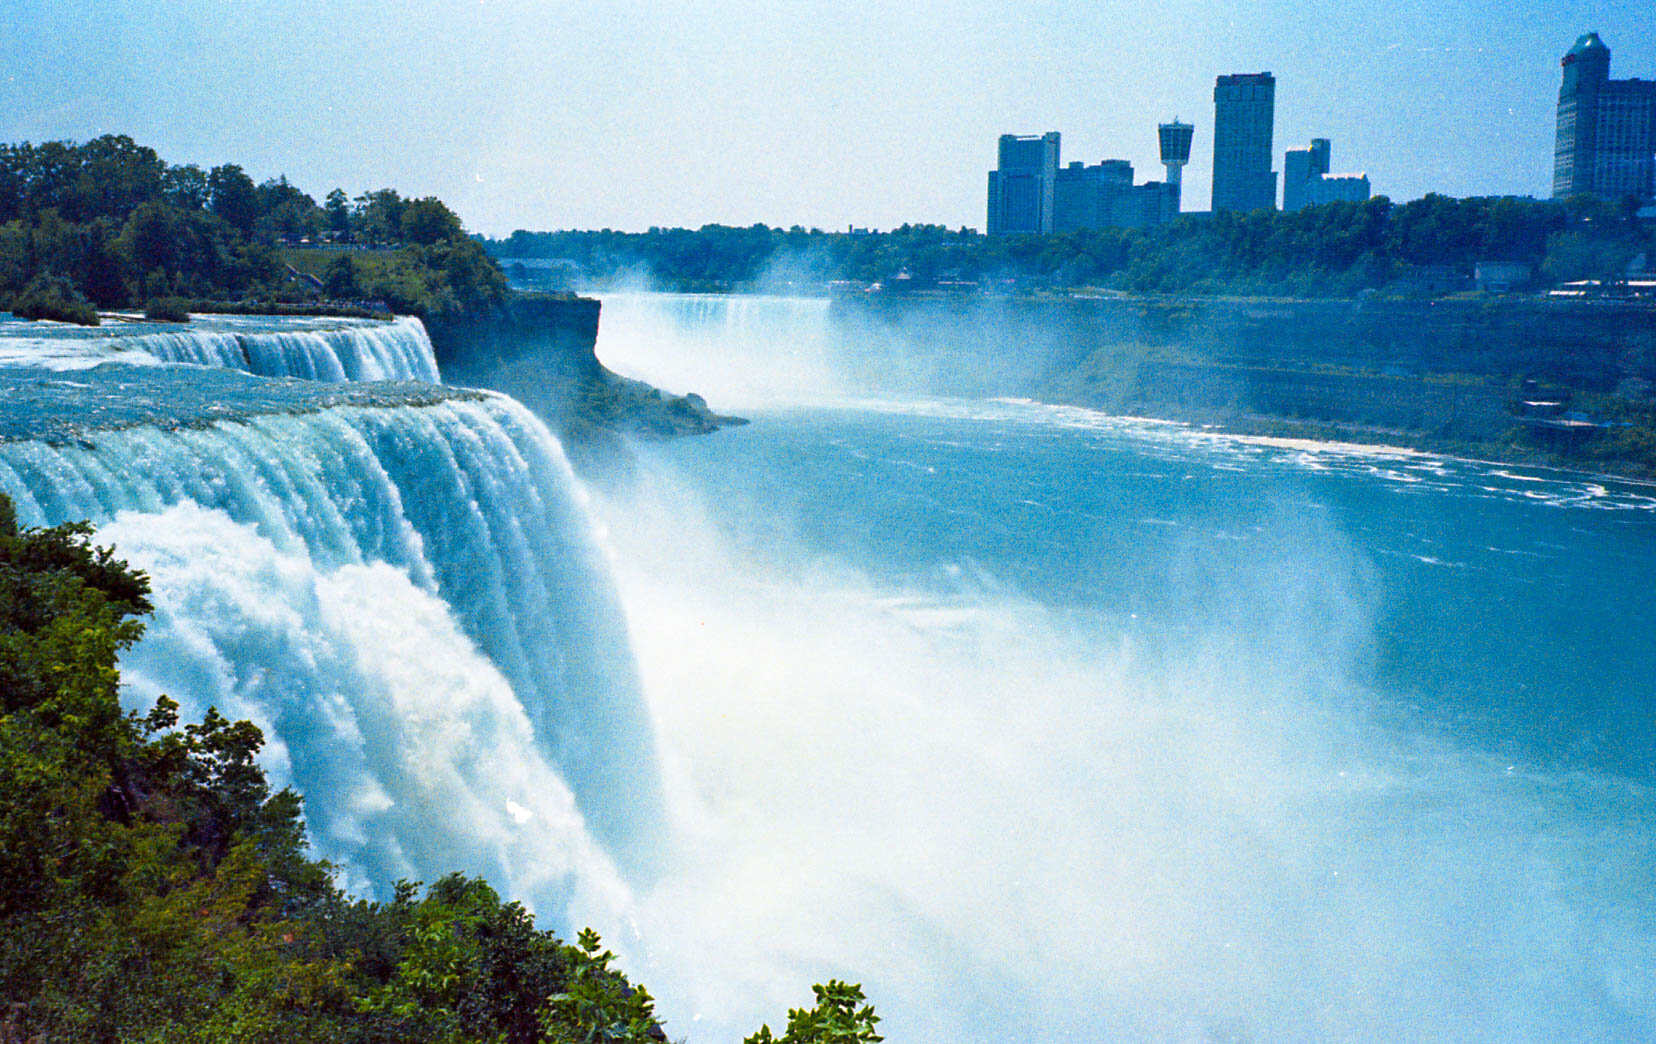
541, 350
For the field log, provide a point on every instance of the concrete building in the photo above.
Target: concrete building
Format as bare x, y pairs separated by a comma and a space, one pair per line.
1339, 188
1606, 128
1306, 181
1086, 197
1244, 112
1299, 168
1022, 187
1031, 193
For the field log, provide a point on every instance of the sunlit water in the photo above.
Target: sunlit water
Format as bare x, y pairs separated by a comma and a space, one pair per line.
1043, 725
1051, 726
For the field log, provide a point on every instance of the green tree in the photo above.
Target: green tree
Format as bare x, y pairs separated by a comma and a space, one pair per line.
233, 197
597, 1006
337, 206
428, 221
839, 1017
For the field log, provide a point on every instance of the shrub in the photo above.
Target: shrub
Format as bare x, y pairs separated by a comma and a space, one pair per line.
54, 297
168, 309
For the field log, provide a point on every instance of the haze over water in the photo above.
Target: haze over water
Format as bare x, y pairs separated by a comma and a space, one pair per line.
1047, 725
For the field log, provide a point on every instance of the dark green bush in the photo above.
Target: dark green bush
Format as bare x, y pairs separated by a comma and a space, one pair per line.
169, 309
54, 297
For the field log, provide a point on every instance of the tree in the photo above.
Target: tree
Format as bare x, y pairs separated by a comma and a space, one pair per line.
597, 1006
337, 207
339, 280
378, 217
427, 221
840, 1017
233, 197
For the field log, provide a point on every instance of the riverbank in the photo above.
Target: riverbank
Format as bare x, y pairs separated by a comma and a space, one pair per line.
1564, 384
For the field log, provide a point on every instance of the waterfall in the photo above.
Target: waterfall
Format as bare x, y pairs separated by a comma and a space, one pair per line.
739, 352
313, 349
454, 529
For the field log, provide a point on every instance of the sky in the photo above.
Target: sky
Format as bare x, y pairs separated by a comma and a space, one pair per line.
549, 115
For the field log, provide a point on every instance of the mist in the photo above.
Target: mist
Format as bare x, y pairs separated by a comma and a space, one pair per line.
1034, 759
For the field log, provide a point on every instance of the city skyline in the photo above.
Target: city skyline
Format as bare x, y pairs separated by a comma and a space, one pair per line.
642, 114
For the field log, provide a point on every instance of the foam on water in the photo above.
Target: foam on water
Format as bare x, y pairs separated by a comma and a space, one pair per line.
469, 500
310, 348
1049, 725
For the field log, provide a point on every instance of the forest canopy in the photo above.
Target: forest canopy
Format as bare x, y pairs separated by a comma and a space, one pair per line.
109, 224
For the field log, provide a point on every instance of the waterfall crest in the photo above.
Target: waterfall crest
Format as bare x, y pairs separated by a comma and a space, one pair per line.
469, 500
313, 349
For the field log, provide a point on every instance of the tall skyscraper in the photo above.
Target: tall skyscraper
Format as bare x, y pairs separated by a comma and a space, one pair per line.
1606, 128
1021, 188
1244, 111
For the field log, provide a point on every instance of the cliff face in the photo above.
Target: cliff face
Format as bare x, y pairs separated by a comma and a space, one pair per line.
541, 350
1436, 373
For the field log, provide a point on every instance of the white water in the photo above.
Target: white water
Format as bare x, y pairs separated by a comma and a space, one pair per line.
1010, 818
306, 563
412, 749
738, 352
1014, 818
312, 349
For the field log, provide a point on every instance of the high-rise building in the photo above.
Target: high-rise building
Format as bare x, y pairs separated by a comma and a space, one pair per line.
1606, 128
1085, 197
1306, 181
1299, 168
1031, 193
1021, 188
1244, 110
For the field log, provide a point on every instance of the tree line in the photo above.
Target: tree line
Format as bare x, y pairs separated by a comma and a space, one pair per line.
1336, 249
109, 224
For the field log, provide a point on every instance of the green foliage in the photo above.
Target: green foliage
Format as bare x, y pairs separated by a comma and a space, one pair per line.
840, 1017
596, 1005
1337, 249
168, 309
53, 297
340, 280
122, 227
154, 888
427, 221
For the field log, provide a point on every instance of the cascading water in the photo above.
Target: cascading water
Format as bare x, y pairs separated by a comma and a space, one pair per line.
1043, 725
452, 529
1046, 725
312, 349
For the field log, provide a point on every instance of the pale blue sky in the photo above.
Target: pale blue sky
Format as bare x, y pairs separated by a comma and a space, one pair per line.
533, 114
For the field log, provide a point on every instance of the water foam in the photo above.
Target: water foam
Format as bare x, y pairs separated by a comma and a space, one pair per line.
309, 348
470, 500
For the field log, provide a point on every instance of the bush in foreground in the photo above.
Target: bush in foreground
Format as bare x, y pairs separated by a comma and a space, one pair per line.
153, 887
53, 297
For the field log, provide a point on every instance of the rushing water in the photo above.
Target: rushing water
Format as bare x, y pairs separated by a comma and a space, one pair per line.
1052, 726
1043, 725
400, 584
308, 348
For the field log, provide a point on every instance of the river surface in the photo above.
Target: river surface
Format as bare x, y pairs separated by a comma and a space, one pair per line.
1046, 725
1042, 725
